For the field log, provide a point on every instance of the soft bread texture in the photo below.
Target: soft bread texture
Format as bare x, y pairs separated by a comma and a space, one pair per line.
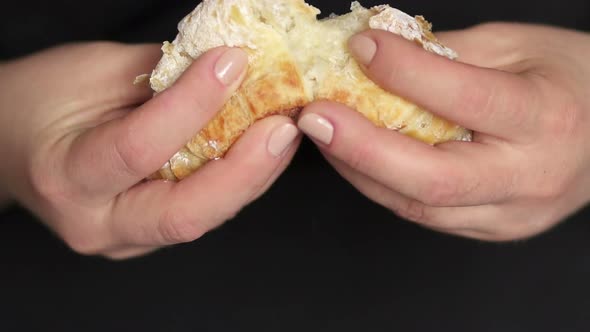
293, 59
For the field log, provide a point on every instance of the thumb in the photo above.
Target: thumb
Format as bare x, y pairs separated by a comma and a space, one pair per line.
128, 149
163, 213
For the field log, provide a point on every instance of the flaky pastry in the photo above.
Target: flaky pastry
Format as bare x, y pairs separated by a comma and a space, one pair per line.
294, 59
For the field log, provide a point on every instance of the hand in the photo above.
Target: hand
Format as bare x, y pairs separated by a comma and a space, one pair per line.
78, 138
523, 89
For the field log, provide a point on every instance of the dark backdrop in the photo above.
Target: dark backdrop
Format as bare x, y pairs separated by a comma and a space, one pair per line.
312, 254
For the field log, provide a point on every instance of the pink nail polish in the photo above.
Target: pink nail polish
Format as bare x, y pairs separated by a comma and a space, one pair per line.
363, 48
281, 139
317, 127
231, 65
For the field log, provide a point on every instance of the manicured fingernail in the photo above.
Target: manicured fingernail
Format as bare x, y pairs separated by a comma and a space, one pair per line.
363, 48
231, 65
281, 139
317, 127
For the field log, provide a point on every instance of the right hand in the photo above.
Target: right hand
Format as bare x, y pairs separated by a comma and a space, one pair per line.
77, 146
526, 98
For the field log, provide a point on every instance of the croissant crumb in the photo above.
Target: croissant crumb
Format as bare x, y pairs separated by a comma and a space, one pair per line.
294, 59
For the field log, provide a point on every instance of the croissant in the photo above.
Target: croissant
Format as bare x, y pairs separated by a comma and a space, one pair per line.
294, 59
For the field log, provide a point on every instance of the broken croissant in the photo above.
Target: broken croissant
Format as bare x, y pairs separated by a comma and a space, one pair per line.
294, 58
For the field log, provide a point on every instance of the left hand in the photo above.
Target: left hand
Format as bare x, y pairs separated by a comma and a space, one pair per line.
523, 89
77, 140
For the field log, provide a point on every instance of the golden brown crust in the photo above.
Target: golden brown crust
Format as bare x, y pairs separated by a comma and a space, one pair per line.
272, 86
387, 110
289, 68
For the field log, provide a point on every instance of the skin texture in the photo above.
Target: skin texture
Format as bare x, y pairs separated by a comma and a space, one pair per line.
525, 96
81, 139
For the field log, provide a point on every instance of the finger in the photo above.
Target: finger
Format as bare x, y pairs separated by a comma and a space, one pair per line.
458, 174
492, 222
112, 157
485, 100
485, 222
164, 213
448, 218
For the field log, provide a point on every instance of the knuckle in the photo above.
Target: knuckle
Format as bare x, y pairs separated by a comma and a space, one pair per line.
58, 205
441, 191
360, 157
177, 227
181, 97
390, 77
43, 183
82, 248
132, 154
475, 97
205, 103
46, 183
413, 210
494, 101
83, 241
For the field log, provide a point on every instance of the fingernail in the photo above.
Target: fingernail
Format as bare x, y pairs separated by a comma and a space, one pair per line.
317, 127
281, 139
363, 48
231, 65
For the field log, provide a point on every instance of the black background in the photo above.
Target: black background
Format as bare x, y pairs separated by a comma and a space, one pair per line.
312, 254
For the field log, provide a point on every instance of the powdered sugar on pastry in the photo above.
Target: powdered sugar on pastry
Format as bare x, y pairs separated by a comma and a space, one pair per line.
415, 29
